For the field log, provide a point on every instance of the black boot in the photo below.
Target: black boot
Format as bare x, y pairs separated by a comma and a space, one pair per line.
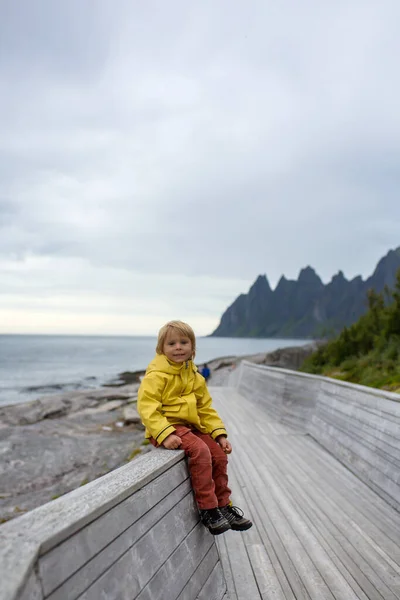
214, 520
235, 518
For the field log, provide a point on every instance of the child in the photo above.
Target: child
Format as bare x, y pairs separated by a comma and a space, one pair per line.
175, 407
206, 372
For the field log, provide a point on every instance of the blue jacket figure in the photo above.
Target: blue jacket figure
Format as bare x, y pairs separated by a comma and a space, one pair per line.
206, 372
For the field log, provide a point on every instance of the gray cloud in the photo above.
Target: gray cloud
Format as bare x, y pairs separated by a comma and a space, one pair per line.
164, 142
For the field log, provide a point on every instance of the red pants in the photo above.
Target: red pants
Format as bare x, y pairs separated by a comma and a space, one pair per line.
208, 466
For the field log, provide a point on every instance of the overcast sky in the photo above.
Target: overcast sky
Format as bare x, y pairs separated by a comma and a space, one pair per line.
156, 156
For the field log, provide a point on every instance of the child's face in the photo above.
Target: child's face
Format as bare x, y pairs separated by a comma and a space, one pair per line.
177, 347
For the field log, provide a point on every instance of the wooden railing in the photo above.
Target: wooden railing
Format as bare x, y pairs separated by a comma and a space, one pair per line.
359, 425
133, 533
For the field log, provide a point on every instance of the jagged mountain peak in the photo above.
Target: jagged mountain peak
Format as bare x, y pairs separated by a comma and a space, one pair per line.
339, 277
297, 309
392, 257
357, 280
385, 272
309, 275
261, 283
282, 285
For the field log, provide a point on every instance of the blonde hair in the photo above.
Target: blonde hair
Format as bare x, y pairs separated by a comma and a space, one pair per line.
183, 328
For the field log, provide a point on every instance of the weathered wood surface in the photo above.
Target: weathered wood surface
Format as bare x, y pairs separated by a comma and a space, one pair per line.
320, 533
363, 431
134, 533
358, 425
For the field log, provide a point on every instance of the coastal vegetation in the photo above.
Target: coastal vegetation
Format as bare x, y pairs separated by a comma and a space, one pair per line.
367, 352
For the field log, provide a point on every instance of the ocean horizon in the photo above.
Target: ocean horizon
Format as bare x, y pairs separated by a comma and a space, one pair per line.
36, 365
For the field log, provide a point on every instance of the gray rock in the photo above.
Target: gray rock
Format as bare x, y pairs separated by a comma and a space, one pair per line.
286, 358
57, 443
107, 407
60, 405
131, 415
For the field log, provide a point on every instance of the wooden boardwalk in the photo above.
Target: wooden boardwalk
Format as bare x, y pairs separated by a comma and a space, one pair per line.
319, 532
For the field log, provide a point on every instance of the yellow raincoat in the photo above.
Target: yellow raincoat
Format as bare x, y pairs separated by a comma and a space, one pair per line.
172, 394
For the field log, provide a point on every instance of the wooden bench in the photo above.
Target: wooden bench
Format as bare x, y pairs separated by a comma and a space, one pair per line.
325, 526
360, 426
315, 465
134, 533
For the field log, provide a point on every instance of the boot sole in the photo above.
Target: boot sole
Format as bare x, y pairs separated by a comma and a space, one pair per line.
241, 527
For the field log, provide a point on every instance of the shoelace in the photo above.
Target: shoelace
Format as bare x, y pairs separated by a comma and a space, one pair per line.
236, 511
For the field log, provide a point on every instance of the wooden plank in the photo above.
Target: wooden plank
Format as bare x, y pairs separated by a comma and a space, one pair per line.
196, 582
309, 559
349, 501
61, 563
361, 570
271, 581
75, 585
126, 578
361, 416
266, 524
357, 481
342, 528
45, 527
382, 403
349, 570
331, 465
337, 476
223, 552
372, 438
241, 567
180, 567
368, 466
263, 521
316, 450
33, 589
377, 452
356, 557
215, 586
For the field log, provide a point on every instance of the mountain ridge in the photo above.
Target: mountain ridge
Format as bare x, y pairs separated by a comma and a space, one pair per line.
305, 307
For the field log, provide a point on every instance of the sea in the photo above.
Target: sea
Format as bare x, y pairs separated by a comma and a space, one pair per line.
35, 365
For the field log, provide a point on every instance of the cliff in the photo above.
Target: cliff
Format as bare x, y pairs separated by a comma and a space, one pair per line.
304, 308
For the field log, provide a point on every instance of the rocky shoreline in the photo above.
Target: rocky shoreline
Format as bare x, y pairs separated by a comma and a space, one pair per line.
55, 444
59, 442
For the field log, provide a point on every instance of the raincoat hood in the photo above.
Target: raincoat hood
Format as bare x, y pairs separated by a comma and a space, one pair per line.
161, 363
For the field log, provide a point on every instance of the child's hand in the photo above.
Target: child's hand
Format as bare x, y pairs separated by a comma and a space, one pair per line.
224, 443
172, 442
